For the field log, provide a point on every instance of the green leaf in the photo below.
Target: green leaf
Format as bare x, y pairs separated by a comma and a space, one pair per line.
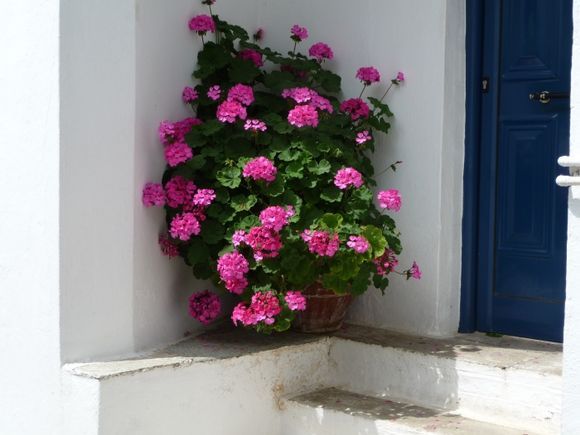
290, 154
275, 188
197, 252
361, 281
202, 271
295, 170
211, 127
282, 324
331, 221
277, 81
229, 177
380, 282
196, 162
195, 140
329, 81
243, 71
376, 238
210, 59
319, 168
212, 231
248, 222
334, 283
243, 202
331, 194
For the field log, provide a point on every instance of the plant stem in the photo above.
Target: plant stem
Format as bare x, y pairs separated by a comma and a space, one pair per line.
295, 45
363, 90
386, 92
202, 40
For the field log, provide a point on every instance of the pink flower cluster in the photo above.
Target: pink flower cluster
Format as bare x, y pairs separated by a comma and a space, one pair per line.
346, 177
356, 108
264, 307
321, 242
238, 238
252, 55
170, 132
363, 137
303, 115
177, 153
295, 301
265, 242
204, 197
184, 225
260, 168
168, 248
243, 94
386, 263
400, 77
310, 96
214, 93
202, 24
189, 95
179, 192
298, 33
414, 271
232, 268
153, 195
255, 125
229, 111
390, 199
368, 75
358, 244
204, 306
276, 217
172, 135
321, 51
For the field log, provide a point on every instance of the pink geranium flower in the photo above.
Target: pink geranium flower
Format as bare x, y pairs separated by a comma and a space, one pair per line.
232, 268
346, 177
356, 108
276, 217
255, 125
390, 199
177, 153
265, 242
321, 242
358, 244
386, 262
368, 75
202, 24
321, 51
238, 238
204, 306
295, 301
214, 93
204, 197
414, 271
400, 77
298, 33
179, 191
243, 94
168, 248
189, 95
252, 55
363, 137
230, 111
260, 169
303, 115
153, 195
183, 226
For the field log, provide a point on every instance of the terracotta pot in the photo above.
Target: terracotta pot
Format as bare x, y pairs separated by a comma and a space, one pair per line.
325, 310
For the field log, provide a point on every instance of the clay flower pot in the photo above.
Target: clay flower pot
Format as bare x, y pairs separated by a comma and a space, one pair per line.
325, 310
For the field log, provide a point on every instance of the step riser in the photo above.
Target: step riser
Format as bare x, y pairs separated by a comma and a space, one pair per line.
509, 397
304, 420
247, 390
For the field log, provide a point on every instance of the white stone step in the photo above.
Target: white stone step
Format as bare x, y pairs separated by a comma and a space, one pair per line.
220, 383
507, 381
336, 412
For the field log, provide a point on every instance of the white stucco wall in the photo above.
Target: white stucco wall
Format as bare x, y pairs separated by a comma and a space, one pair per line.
571, 380
122, 74
427, 135
29, 168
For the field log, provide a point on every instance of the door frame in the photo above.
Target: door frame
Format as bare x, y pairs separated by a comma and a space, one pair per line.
478, 198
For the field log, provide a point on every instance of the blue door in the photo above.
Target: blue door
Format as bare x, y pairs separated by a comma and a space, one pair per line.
525, 127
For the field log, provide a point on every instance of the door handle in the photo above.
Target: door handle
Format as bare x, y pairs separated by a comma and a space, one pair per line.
545, 97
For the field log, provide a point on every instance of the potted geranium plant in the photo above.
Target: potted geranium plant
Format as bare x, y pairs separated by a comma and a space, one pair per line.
268, 189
